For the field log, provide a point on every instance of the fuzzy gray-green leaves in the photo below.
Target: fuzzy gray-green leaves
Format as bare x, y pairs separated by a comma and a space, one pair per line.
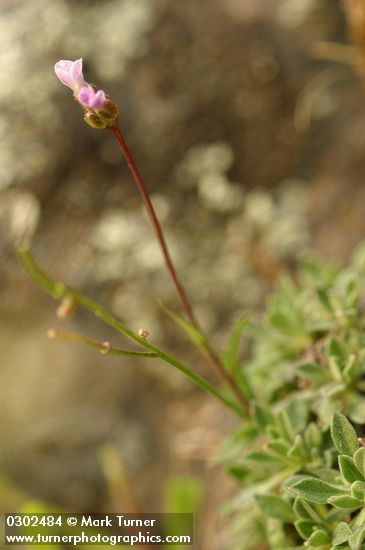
343, 435
314, 490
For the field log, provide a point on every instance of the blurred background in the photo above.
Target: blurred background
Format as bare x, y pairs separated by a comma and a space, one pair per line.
247, 120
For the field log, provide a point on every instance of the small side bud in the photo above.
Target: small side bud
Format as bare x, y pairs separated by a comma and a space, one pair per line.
106, 348
67, 307
143, 333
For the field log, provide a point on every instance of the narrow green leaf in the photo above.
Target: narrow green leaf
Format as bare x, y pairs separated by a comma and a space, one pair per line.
335, 515
313, 436
312, 372
335, 349
326, 407
239, 472
262, 459
348, 469
231, 361
290, 481
300, 510
315, 490
281, 322
312, 512
356, 410
335, 359
341, 534
275, 507
284, 424
272, 432
324, 299
298, 452
345, 502
357, 538
329, 474
278, 448
359, 460
297, 411
343, 434
231, 450
318, 538
56, 289
333, 389
305, 528
351, 369
195, 335
358, 489
236, 336
262, 416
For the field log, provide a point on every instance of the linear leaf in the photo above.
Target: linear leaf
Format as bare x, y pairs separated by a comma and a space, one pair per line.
195, 335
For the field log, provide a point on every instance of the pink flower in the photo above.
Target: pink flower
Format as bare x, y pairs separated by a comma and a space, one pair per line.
70, 74
100, 111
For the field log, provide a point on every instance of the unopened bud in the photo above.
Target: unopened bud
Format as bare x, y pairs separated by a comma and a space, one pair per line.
143, 333
67, 307
106, 348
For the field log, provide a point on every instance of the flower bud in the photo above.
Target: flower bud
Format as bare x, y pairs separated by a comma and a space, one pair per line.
143, 333
67, 307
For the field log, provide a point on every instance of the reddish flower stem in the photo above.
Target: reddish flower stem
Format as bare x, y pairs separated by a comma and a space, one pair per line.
213, 357
155, 223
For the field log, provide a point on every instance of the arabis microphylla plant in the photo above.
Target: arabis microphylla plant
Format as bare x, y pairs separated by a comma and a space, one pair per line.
100, 110
298, 454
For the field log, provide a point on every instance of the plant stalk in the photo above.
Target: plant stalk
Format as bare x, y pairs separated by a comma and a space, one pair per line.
59, 290
188, 310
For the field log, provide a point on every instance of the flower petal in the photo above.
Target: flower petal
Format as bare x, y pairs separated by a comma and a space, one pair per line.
91, 99
99, 99
76, 70
70, 73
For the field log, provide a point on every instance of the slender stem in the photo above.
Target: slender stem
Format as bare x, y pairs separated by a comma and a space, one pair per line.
59, 290
155, 223
105, 348
211, 354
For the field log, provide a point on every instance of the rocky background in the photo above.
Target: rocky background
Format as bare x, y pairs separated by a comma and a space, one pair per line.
249, 132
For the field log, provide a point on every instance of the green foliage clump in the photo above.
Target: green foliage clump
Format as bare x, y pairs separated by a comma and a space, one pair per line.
299, 455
